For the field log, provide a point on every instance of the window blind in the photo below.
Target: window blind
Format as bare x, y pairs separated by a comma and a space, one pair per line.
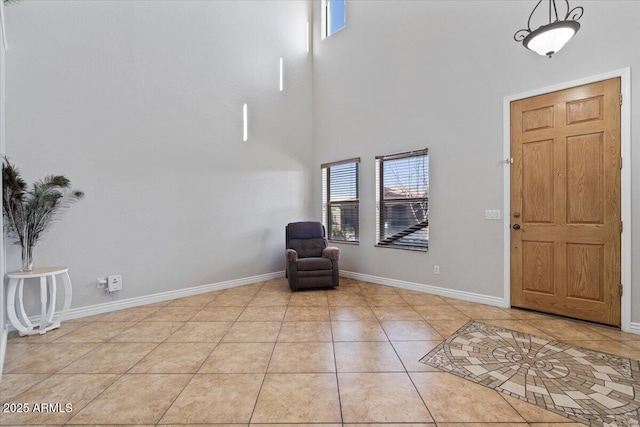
403, 200
341, 210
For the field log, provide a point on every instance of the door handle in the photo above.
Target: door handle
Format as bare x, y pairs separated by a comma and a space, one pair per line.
516, 226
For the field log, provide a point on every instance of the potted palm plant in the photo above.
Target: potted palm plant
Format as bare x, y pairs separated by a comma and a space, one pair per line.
29, 211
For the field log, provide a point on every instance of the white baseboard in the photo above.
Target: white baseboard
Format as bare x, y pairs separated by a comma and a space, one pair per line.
451, 293
4, 335
634, 328
92, 310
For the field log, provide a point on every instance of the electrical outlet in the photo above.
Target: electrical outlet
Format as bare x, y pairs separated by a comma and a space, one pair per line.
436, 269
491, 214
114, 283
101, 282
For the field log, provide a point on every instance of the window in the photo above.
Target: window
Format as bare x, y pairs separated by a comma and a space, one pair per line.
340, 200
403, 200
334, 16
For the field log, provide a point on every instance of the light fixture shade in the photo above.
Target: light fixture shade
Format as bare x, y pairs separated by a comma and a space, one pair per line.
549, 39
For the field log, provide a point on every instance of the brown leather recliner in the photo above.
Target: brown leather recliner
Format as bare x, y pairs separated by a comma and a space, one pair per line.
311, 263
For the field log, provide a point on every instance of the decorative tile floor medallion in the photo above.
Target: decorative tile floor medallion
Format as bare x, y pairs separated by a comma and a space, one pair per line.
594, 388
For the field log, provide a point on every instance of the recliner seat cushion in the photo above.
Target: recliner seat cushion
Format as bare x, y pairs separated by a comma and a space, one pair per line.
307, 247
314, 263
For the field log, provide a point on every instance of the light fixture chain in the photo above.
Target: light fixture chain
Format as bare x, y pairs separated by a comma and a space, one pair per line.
555, 10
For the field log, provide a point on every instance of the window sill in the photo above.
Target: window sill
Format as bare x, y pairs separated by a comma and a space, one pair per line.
403, 248
343, 242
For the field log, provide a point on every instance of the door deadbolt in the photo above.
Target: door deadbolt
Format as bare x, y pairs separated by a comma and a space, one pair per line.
516, 214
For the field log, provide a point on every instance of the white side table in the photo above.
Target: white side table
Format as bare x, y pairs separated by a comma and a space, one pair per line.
48, 318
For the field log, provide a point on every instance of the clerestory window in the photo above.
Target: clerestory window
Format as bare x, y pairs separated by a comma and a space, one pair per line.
334, 16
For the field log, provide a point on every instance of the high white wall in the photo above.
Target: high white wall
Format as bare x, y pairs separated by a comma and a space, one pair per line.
404, 75
139, 103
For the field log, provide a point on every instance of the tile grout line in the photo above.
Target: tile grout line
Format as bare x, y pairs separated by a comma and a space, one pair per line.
127, 372
196, 371
335, 360
34, 384
528, 322
158, 343
264, 377
94, 398
80, 357
405, 368
513, 407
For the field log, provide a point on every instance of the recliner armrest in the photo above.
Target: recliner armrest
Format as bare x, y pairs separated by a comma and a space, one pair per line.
292, 256
331, 252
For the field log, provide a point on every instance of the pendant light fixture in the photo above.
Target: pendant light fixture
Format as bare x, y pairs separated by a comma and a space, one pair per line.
550, 38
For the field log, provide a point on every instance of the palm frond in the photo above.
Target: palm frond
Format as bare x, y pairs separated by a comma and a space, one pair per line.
30, 211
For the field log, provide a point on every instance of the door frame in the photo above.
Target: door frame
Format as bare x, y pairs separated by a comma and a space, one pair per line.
625, 190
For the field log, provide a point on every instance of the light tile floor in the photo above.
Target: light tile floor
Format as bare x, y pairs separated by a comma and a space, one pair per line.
260, 355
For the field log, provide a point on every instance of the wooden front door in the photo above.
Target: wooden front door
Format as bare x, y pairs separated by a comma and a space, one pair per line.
565, 202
